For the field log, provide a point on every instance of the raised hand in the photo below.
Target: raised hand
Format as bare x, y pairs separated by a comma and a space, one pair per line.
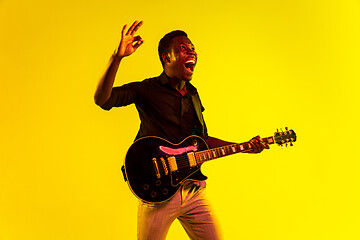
129, 43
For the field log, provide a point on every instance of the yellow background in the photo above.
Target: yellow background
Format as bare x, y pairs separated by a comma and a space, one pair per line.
262, 65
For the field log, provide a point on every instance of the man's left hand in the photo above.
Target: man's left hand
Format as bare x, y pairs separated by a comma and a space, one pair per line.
257, 145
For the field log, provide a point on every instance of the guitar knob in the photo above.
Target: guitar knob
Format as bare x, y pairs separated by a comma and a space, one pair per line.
158, 182
165, 191
146, 186
153, 194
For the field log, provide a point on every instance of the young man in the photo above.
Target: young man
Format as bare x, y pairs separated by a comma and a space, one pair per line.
169, 107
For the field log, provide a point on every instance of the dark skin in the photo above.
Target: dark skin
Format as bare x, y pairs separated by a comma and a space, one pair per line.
181, 53
179, 65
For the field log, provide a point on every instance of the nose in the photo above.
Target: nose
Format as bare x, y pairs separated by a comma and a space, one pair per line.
191, 52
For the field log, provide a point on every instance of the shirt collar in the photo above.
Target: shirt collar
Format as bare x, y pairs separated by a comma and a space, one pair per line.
164, 79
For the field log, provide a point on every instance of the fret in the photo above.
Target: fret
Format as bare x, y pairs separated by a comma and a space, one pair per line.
214, 153
218, 152
208, 154
270, 140
233, 148
226, 148
230, 151
223, 151
241, 147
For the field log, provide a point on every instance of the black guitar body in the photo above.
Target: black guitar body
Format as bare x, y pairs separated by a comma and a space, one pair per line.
156, 168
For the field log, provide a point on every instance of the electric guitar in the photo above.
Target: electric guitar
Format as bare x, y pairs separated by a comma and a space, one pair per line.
156, 168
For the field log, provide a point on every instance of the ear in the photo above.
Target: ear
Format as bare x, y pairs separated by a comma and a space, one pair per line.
165, 57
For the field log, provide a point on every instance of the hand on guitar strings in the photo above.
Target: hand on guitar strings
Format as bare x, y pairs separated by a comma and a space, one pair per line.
257, 145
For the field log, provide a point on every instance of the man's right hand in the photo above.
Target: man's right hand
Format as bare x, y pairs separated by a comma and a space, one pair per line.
129, 43
128, 46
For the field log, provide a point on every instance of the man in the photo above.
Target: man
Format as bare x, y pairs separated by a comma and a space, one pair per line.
169, 107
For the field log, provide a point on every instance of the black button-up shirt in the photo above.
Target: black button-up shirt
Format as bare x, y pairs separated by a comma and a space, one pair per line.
163, 111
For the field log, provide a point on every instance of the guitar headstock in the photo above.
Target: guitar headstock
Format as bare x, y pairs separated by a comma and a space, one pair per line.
284, 137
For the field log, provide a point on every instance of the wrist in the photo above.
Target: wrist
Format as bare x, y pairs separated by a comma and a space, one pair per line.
116, 57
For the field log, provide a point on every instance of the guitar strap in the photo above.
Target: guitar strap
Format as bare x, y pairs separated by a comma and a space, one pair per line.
198, 109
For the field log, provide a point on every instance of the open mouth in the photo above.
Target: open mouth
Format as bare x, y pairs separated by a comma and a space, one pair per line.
190, 65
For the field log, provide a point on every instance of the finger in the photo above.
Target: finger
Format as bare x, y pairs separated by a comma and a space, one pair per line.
255, 139
136, 28
139, 42
261, 142
137, 38
264, 144
132, 28
258, 147
255, 146
123, 30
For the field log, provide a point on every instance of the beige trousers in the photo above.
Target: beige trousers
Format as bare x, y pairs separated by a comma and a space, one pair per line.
188, 205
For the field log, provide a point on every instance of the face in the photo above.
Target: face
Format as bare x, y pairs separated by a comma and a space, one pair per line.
181, 59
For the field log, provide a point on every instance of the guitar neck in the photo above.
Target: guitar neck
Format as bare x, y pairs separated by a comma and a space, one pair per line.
210, 154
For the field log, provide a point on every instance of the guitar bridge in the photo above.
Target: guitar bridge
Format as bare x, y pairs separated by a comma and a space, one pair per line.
164, 166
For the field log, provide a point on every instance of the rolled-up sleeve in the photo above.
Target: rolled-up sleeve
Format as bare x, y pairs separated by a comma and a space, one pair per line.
122, 96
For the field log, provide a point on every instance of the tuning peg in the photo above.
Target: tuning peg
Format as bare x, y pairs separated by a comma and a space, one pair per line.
291, 144
286, 128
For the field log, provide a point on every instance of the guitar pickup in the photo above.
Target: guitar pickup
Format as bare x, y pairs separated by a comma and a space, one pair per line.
172, 164
192, 160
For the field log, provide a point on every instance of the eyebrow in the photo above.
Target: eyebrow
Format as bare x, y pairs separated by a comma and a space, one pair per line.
190, 44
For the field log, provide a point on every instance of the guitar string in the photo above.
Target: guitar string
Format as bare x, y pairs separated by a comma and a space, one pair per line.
183, 161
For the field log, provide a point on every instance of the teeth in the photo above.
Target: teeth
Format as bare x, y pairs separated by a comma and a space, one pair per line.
190, 61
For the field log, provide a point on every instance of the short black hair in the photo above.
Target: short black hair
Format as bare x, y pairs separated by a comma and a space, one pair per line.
166, 41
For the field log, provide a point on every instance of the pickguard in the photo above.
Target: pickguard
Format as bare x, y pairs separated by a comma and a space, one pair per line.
177, 151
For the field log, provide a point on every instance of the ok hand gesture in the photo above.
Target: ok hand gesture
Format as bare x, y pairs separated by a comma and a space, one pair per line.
129, 43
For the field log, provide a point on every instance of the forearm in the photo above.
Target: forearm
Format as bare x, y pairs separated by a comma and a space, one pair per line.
256, 143
215, 142
105, 85
127, 46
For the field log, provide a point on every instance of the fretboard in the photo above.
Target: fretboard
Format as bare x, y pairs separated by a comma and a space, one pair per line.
206, 155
